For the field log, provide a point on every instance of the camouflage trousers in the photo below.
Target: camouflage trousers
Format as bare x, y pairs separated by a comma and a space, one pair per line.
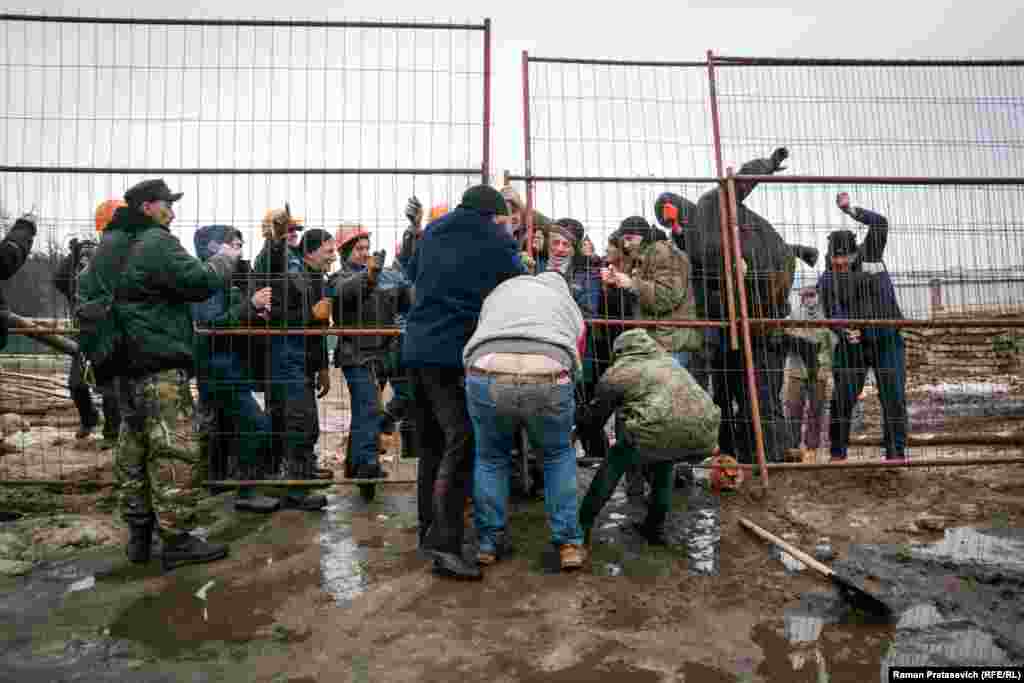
149, 411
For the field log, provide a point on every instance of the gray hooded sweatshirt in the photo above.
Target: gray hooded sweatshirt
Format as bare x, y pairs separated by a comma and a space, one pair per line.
528, 314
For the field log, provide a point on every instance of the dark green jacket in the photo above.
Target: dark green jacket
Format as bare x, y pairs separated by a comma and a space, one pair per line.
662, 409
153, 292
14, 250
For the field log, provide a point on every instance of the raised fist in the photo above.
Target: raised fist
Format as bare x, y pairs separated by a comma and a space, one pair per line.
778, 156
414, 212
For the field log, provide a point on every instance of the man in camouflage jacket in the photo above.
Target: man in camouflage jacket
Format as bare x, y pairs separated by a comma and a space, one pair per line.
661, 411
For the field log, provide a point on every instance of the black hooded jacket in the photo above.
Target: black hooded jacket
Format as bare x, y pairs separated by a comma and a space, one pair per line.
14, 250
769, 259
686, 210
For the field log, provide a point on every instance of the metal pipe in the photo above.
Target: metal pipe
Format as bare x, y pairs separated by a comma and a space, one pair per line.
1007, 439
301, 483
485, 166
612, 62
677, 180
723, 210
95, 170
805, 179
879, 464
301, 332
936, 323
618, 322
880, 180
527, 157
255, 23
940, 323
22, 325
794, 61
748, 353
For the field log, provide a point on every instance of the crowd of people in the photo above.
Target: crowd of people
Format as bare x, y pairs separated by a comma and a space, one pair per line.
501, 331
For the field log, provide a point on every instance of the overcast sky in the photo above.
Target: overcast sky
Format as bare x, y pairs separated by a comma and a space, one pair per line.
636, 30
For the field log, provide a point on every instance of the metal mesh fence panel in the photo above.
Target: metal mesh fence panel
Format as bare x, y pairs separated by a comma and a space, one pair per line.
341, 121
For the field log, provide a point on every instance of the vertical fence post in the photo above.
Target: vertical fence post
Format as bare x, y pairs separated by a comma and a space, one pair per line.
527, 162
485, 166
748, 353
723, 212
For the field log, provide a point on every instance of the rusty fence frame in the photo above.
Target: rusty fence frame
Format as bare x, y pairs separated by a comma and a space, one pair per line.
739, 322
56, 336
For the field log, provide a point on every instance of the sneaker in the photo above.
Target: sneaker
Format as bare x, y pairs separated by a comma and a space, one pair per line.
321, 473
452, 566
186, 549
837, 458
571, 556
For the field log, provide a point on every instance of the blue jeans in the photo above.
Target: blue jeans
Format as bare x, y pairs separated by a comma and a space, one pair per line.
547, 411
228, 390
366, 417
292, 405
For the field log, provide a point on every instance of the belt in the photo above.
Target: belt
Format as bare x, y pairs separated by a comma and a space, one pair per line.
520, 378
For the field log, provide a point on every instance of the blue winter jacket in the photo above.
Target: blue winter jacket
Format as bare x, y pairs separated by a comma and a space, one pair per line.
458, 261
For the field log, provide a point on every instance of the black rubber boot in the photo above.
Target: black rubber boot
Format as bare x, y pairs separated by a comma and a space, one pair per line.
185, 549
652, 529
308, 502
406, 432
140, 542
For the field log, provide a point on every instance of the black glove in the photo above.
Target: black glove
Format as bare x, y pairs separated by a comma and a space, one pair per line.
414, 212
778, 156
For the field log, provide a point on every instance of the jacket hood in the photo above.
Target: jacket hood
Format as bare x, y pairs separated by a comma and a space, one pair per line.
208, 240
686, 210
635, 342
129, 220
554, 280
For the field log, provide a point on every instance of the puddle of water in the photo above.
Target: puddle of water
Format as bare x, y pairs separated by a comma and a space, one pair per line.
702, 541
995, 548
822, 636
985, 389
343, 559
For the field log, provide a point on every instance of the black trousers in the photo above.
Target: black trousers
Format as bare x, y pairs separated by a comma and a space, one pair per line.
736, 434
444, 440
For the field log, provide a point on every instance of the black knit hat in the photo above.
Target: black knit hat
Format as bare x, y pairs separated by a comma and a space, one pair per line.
485, 199
313, 240
842, 243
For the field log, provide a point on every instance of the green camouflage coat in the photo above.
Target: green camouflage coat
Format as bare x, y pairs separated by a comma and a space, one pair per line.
661, 280
660, 406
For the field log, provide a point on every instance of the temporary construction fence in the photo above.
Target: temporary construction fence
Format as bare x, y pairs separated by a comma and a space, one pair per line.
931, 145
342, 121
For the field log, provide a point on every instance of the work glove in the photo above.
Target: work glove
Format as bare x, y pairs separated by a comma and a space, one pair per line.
778, 156
322, 310
414, 212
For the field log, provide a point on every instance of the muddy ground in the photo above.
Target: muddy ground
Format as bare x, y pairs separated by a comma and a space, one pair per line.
343, 595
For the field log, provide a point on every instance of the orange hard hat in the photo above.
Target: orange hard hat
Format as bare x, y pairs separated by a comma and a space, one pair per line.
105, 212
438, 211
348, 232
